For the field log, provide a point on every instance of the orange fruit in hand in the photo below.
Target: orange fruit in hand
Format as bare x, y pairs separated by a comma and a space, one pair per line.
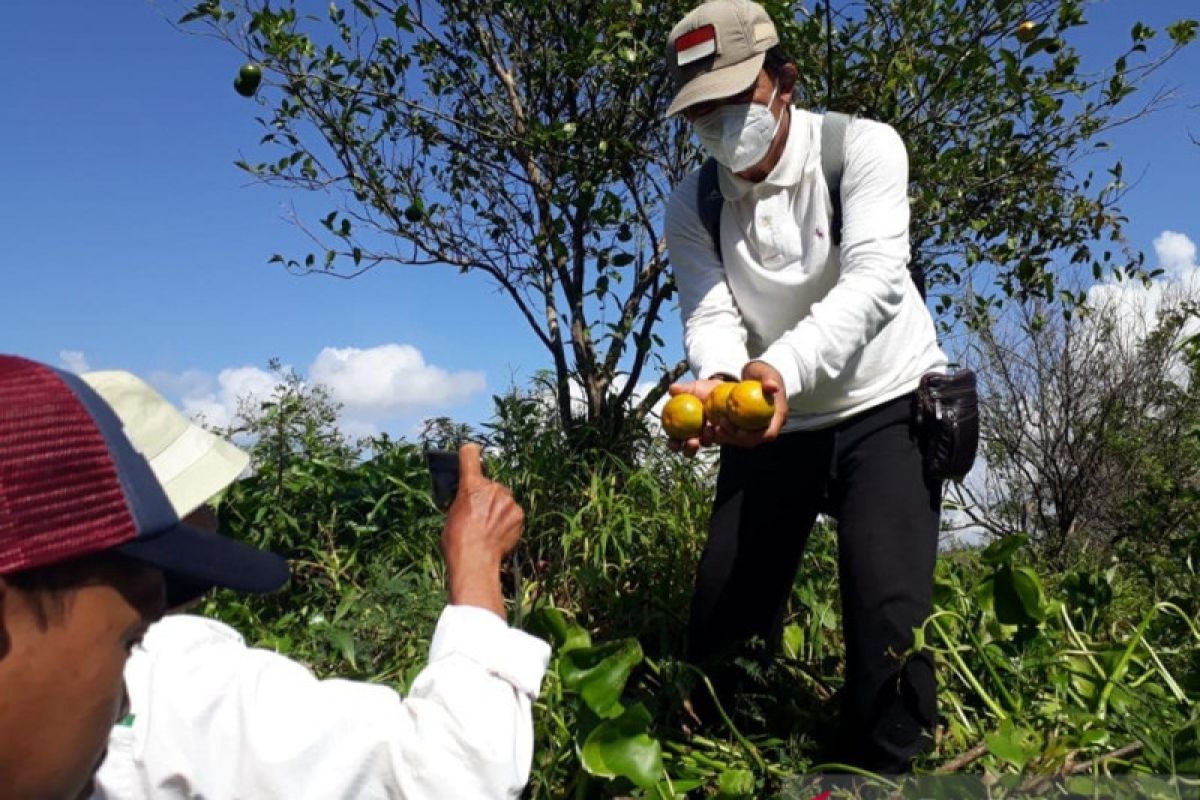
748, 408
717, 401
683, 416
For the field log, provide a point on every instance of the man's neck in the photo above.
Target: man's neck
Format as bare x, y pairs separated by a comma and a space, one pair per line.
759, 172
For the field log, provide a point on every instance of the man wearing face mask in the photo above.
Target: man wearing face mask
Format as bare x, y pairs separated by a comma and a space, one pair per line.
839, 336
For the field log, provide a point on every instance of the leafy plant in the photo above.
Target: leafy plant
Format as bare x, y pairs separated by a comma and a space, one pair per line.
1046, 676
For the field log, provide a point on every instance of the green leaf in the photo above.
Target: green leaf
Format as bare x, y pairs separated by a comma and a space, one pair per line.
1018, 596
734, 783
1029, 589
984, 594
552, 624
1013, 744
621, 747
944, 594
793, 641
677, 789
343, 642
599, 673
1002, 550
1183, 31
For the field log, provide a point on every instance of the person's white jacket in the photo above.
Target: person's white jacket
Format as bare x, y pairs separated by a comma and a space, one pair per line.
844, 326
212, 718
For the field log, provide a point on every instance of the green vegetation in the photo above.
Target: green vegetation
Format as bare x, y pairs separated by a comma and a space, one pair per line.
1089, 669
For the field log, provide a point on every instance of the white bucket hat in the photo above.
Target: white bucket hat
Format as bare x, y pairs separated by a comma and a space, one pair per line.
192, 464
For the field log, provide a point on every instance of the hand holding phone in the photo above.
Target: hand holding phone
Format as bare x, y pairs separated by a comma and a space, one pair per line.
482, 527
443, 469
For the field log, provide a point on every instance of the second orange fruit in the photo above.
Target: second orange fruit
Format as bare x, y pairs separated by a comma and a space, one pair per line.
748, 408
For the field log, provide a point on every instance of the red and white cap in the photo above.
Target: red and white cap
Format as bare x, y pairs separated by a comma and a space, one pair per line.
717, 51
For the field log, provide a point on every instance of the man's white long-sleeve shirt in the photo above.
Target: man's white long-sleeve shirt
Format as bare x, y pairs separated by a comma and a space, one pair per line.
214, 719
845, 327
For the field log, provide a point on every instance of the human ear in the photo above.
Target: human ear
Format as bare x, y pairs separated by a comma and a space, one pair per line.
787, 76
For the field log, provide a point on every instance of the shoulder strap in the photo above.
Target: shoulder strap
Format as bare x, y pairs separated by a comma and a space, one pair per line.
709, 202
833, 158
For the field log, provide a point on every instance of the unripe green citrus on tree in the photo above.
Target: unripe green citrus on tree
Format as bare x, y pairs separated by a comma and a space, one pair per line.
248, 79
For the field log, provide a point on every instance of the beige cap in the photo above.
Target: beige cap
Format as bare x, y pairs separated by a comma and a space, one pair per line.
717, 51
192, 464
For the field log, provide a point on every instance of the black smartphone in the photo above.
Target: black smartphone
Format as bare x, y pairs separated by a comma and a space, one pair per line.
443, 469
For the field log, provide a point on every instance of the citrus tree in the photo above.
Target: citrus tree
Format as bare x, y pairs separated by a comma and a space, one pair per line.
524, 143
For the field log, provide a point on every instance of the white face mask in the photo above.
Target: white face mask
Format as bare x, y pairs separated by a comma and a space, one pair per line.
738, 136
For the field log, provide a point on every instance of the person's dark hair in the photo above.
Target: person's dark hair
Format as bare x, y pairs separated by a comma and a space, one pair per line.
49, 588
775, 59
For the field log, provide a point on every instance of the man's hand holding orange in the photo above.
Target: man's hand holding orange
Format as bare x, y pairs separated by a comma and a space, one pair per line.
701, 390
747, 409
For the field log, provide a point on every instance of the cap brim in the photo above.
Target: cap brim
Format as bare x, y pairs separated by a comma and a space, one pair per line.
194, 561
717, 84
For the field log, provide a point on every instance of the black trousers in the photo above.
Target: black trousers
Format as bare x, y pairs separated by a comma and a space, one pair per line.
865, 472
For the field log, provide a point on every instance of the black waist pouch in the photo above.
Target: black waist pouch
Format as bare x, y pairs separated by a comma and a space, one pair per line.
947, 416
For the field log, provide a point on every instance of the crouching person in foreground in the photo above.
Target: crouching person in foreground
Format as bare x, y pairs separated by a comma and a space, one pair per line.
89, 549
213, 718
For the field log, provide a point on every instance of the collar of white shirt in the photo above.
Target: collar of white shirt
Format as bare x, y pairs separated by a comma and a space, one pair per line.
793, 161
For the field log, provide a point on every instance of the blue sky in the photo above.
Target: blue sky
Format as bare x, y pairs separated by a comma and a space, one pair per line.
129, 240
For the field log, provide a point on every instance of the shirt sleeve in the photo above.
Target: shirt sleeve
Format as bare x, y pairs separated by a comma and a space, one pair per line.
874, 263
231, 721
714, 334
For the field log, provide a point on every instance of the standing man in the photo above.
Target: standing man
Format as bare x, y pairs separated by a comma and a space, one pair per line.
839, 337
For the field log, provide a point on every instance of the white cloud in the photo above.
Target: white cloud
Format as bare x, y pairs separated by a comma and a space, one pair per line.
1137, 306
389, 380
1176, 254
189, 383
217, 405
375, 386
73, 361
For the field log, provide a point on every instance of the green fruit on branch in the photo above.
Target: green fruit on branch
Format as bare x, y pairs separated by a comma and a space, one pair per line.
248, 79
415, 212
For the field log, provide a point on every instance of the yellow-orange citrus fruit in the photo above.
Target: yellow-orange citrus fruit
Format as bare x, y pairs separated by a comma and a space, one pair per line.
1026, 32
683, 416
748, 408
717, 400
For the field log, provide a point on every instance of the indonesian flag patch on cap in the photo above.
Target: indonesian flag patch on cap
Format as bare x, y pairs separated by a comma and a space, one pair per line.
696, 45
717, 51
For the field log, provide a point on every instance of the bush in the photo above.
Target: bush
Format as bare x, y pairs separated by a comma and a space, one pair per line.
1041, 673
